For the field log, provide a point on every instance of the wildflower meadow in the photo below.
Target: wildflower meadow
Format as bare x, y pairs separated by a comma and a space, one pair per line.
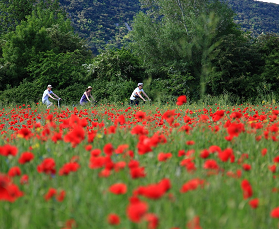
148, 166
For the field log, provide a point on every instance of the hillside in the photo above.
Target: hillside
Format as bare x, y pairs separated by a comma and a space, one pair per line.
104, 22
255, 16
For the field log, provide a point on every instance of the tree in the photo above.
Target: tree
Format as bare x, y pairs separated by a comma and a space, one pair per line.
45, 29
236, 68
63, 69
12, 12
116, 64
268, 45
184, 32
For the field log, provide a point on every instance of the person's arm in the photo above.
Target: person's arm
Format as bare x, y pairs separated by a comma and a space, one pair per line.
92, 98
146, 95
54, 95
87, 96
140, 96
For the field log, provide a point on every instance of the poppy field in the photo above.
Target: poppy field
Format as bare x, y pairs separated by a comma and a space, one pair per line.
113, 166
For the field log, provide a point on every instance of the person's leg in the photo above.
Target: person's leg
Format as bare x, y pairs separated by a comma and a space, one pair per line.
48, 103
82, 103
131, 102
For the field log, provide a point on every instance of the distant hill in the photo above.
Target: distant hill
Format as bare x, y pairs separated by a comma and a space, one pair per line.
104, 22
255, 16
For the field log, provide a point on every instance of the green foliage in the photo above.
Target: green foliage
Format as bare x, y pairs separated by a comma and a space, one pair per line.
26, 92
181, 33
61, 70
116, 64
256, 17
269, 49
102, 22
20, 47
46, 29
113, 91
12, 12
236, 68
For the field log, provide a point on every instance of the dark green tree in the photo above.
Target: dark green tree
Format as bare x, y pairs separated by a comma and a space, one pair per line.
183, 34
46, 29
12, 12
61, 70
236, 68
268, 45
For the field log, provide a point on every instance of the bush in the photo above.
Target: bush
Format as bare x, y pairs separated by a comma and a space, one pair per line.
26, 92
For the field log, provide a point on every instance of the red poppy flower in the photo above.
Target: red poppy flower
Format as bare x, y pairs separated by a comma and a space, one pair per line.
164, 156
60, 196
137, 172
98, 162
236, 115
235, 129
70, 223
152, 219
254, 203
121, 120
14, 171
57, 137
139, 130
247, 189
24, 179
194, 223
119, 165
275, 213
47, 166
108, 149
95, 152
7, 150
136, 209
121, 148
104, 173
113, 219
272, 168
226, 154
210, 164
181, 100
217, 115
246, 167
154, 191
51, 192
140, 115
204, 153
25, 157
191, 185
88, 147
69, 167
181, 153
25, 133
75, 136
8, 190
264, 151
118, 189
191, 142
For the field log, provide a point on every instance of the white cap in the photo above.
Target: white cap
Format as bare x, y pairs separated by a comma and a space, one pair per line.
49, 86
140, 84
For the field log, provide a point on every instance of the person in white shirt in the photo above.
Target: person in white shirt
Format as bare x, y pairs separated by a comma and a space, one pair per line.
47, 94
137, 94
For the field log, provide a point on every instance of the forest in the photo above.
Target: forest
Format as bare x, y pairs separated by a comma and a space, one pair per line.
201, 49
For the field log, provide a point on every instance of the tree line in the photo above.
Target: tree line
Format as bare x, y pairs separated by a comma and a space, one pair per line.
176, 47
